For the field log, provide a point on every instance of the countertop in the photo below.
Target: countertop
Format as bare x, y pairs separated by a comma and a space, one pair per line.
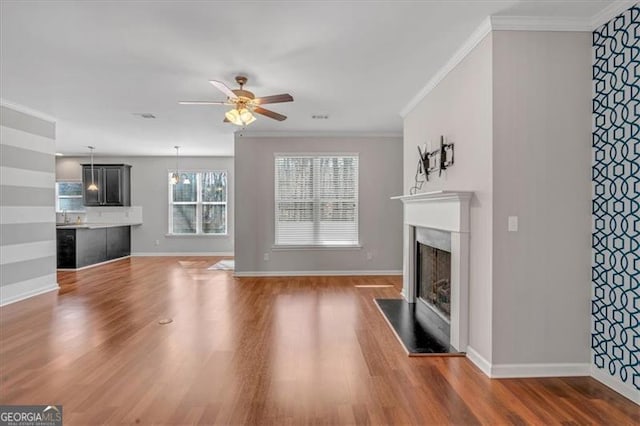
93, 225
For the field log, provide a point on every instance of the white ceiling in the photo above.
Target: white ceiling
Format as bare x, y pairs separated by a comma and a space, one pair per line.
91, 65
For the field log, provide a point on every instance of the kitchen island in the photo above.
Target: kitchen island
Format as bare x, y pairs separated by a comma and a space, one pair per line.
86, 244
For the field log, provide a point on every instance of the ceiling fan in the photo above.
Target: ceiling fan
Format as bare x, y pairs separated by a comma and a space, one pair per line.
244, 103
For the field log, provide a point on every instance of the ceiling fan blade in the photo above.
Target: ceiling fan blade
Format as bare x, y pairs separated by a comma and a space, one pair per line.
274, 99
270, 114
202, 103
223, 88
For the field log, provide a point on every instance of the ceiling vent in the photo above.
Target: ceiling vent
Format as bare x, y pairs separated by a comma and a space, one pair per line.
320, 117
144, 115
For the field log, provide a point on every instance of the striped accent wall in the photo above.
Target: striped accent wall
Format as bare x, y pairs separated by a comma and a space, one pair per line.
27, 206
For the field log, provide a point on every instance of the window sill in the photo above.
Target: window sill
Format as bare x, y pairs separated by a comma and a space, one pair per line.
197, 235
277, 247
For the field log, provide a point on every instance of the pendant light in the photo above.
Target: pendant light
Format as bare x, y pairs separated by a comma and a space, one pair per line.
175, 176
92, 186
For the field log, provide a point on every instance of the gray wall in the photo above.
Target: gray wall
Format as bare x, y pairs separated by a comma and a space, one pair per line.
27, 212
380, 177
460, 109
149, 189
541, 156
517, 108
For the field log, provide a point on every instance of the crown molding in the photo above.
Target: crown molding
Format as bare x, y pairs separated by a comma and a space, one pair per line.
540, 23
26, 110
470, 43
242, 134
611, 11
517, 23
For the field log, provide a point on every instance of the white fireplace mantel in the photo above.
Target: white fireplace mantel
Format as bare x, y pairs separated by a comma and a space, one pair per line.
446, 211
435, 196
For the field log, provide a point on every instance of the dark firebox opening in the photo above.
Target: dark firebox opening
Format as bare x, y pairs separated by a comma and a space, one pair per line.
434, 278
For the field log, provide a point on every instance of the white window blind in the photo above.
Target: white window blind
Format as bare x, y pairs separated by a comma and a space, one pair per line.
316, 199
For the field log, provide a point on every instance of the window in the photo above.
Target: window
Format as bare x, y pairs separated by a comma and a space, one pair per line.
69, 197
316, 200
198, 203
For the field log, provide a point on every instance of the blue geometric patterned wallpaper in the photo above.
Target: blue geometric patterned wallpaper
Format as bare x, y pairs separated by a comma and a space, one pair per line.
615, 307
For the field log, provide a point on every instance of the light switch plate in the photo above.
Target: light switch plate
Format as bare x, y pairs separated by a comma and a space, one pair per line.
513, 224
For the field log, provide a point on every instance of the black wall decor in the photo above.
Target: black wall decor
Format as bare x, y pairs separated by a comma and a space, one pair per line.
435, 161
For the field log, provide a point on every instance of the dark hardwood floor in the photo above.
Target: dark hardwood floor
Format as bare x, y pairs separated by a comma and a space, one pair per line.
295, 350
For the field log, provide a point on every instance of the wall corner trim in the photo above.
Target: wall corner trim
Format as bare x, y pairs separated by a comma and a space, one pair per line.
540, 23
614, 9
624, 389
26, 110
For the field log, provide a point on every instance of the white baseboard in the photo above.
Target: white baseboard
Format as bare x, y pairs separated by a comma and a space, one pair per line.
625, 389
313, 273
184, 253
31, 293
504, 371
479, 361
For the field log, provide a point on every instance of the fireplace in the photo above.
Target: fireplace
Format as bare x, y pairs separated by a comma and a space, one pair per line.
436, 259
434, 279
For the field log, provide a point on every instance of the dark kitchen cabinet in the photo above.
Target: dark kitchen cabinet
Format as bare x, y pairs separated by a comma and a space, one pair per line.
79, 247
66, 248
113, 181
118, 242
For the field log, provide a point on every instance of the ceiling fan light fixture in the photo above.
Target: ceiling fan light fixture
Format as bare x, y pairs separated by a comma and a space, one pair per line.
240, 117
246, 117
174, 178
234, 117
186, 180
244, 103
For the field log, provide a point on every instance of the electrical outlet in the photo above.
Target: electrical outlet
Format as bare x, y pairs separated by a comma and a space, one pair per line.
266, 257
512, 225
369, 255
157, 242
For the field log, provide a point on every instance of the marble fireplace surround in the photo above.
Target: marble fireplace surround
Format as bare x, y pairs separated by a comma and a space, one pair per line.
445, 211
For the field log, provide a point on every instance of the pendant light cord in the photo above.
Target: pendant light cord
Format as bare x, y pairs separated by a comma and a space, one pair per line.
93, 181
177, 162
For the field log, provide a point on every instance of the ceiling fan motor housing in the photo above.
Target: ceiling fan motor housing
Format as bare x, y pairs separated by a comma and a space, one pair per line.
240, 93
